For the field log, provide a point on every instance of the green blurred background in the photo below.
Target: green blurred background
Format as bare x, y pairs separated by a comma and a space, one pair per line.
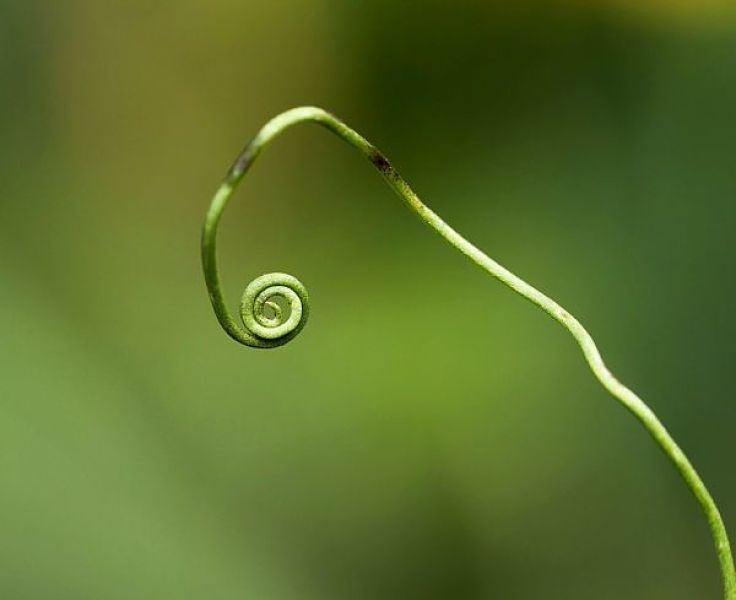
429, 435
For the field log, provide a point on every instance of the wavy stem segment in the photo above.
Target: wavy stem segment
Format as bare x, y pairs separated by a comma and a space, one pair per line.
263, 330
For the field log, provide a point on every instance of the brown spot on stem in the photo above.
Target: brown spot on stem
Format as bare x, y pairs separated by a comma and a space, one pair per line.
381, 162
241, 164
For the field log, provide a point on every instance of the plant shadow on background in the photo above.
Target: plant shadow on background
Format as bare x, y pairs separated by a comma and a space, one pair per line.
428, 435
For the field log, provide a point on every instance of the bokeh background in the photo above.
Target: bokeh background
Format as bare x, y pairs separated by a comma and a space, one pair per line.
429, 435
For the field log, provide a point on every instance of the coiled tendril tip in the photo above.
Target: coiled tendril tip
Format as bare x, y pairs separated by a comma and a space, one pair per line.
261, 294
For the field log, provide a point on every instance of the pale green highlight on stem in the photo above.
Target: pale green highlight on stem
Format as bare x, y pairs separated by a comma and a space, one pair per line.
268, 328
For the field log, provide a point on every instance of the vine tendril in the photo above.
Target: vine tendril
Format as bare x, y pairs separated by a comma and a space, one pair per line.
266, 325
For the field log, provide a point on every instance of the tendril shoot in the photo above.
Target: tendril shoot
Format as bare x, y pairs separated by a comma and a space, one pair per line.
264, 323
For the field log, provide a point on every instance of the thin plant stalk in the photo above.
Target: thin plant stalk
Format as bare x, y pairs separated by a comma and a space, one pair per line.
265, 327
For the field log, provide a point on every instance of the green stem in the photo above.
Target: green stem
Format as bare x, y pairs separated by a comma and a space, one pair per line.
264, 330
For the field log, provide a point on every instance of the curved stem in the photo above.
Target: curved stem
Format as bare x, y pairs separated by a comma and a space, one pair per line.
258, 326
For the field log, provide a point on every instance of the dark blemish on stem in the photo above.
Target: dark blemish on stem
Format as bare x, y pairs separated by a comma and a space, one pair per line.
241, 164
381, 162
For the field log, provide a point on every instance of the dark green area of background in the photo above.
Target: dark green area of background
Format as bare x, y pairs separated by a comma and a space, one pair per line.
429, 435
